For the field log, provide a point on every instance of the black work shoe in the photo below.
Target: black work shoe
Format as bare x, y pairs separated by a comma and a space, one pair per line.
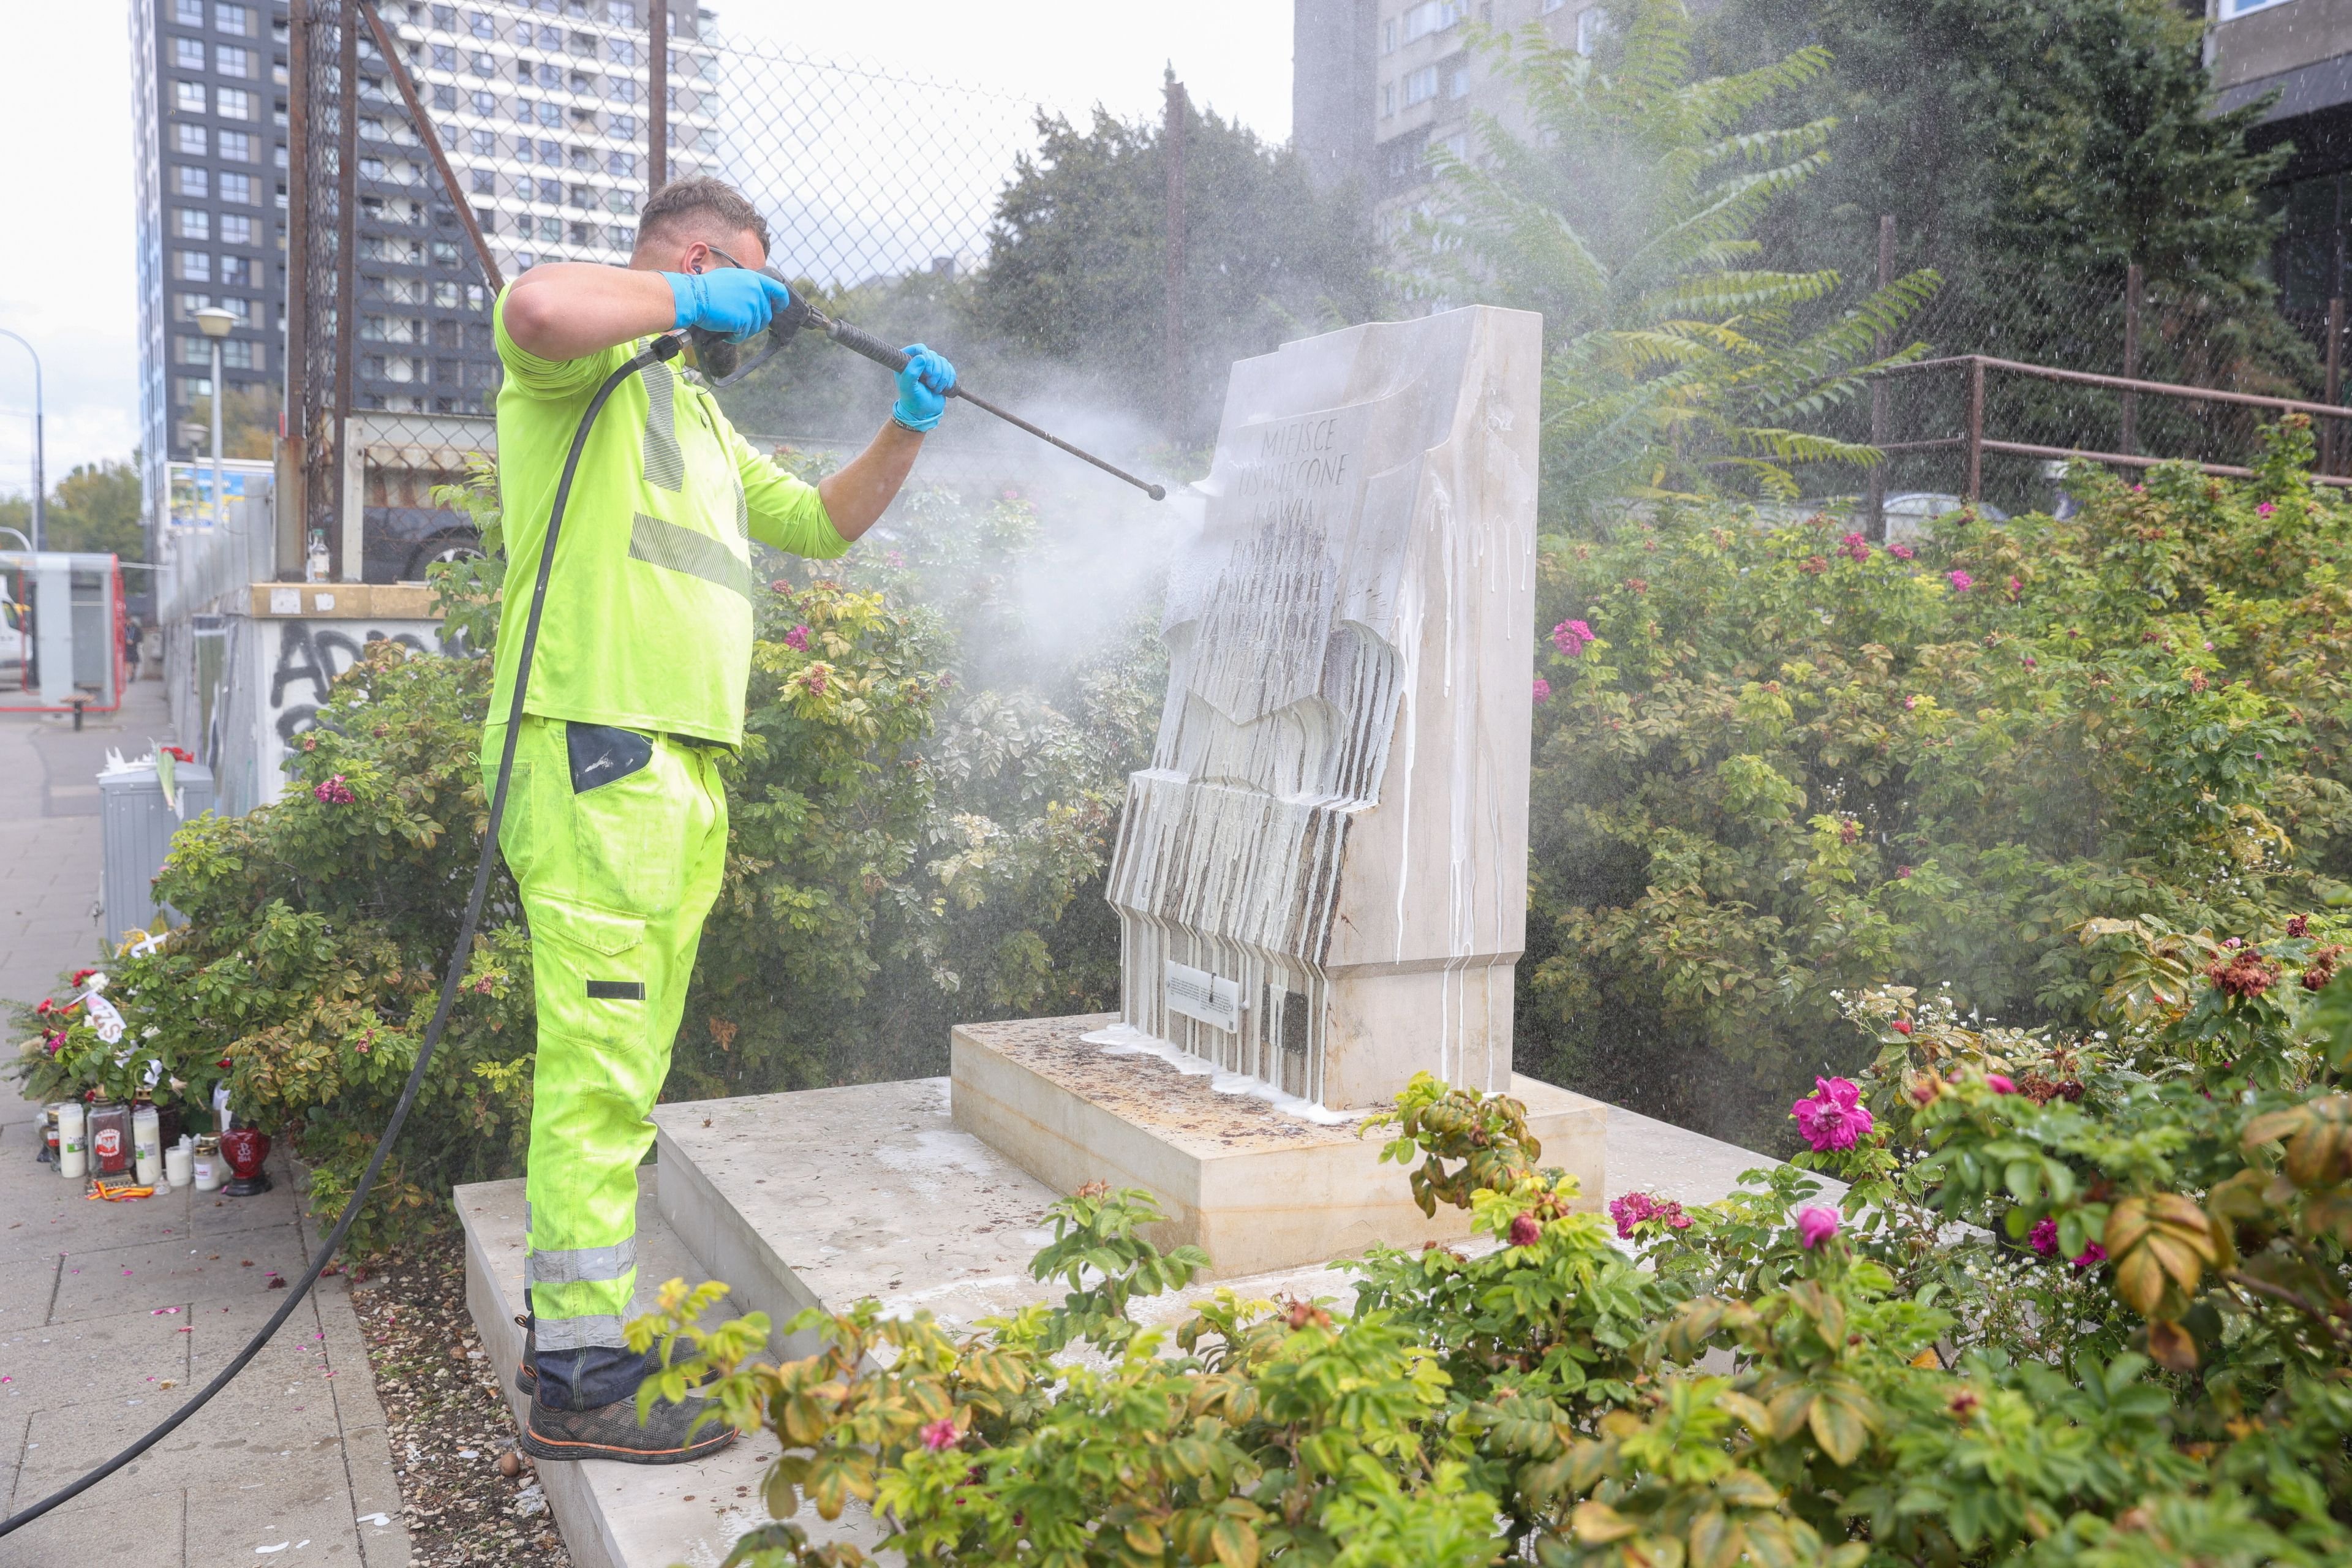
527, 1374
611, 1432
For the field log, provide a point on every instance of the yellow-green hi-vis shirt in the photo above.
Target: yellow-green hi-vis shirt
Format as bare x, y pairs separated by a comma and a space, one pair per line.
648, 617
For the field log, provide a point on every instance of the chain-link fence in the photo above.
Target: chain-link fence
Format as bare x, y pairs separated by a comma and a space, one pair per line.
478, 139
1950, 432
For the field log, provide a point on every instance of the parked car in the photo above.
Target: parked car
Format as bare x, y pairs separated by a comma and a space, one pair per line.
398, 543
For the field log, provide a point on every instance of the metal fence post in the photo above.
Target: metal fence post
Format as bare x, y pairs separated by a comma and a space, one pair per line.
1976, 425
1172, 139
2334, 383
2129, 442
1875, 518
658, 100
293, 431
347, 249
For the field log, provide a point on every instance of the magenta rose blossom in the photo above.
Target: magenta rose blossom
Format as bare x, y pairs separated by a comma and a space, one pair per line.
797, 639
2044, 1238
2092, 1256
1525, 1230
1815, 1225
1570, 637
939, 1434
1961, 582
1542, 691
1633, 1208
1832, 1116
334, 791
2000, 1083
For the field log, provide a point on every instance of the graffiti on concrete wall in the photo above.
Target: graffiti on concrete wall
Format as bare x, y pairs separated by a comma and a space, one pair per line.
310, 654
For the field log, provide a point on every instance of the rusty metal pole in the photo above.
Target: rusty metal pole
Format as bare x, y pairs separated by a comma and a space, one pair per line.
1976, 425
432, 139
293, 431
1875, 518
347, 256
658, 100
1171, 141
2130, 433
2334, 383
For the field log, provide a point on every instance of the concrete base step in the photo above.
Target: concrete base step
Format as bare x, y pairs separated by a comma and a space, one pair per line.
821, 1198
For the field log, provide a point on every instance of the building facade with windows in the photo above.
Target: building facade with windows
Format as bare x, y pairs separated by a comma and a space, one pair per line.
540, 108
1376, 84
2297, 53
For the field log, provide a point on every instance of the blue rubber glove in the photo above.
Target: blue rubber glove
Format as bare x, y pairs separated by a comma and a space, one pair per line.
922, 388
733, 301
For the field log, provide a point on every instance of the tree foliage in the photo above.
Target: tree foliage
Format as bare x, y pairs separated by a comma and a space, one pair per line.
2030, 151
1077, 270
1776, 763
1625, 214
96, 507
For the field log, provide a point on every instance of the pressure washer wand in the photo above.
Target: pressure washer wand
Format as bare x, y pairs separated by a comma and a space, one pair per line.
722, 362
858, 341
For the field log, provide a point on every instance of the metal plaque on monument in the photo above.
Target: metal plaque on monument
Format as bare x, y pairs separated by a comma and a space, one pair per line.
1321, 879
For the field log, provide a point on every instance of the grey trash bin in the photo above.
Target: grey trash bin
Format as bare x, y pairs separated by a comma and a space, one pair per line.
137, 828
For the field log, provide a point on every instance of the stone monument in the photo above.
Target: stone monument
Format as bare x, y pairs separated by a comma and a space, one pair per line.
1321, 879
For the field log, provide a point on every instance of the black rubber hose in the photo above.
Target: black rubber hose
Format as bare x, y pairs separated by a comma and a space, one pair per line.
662, 348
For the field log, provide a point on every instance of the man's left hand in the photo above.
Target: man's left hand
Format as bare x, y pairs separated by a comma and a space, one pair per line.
922, 388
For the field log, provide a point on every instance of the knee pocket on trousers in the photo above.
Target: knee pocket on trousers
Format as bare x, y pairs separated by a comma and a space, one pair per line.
595, 969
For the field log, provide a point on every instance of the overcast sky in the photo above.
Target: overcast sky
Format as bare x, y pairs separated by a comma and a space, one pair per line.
67, 265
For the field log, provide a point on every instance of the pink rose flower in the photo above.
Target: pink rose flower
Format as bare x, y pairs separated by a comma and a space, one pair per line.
334, 791
1542, 691
797, 639
1525, 1230
2091, 1256
1998, 1083
1854, 547
1635, 1209
1960, 581
2264, 509
1901, 552
939, 1434
1815, 1225
1832, 1116
2044, 1238
1570, 637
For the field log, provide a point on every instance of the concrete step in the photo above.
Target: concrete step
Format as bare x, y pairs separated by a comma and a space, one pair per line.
822, 1197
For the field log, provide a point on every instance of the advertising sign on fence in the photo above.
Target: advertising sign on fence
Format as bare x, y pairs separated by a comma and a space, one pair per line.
192, 488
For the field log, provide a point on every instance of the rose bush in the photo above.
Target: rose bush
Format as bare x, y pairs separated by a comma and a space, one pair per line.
908, 847
2084, 1300
1778, 763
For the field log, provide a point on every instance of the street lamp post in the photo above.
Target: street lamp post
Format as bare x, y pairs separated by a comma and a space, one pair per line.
215, 324
40, 482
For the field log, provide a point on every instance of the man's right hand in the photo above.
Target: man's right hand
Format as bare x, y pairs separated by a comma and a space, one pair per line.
733, 301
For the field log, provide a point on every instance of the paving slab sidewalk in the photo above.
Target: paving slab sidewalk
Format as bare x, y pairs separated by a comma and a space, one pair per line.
111, 1314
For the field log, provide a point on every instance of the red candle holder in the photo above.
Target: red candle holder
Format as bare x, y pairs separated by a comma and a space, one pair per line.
245, 1149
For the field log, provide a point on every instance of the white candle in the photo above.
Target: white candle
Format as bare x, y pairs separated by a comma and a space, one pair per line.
146, 1144
180, 1163
208, 1172
73, 1149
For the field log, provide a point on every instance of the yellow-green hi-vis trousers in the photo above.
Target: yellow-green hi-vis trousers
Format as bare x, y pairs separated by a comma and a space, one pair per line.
616, 839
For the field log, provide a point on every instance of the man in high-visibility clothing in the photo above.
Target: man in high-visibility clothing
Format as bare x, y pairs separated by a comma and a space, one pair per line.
617, 820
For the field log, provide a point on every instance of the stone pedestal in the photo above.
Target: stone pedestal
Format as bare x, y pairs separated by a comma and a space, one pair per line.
1258, 1187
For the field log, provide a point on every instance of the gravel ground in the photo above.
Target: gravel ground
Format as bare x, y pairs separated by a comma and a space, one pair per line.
450, 1424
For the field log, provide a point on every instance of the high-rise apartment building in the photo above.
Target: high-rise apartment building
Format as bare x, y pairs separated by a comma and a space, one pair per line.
209, 116
541, 106
1375, 84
